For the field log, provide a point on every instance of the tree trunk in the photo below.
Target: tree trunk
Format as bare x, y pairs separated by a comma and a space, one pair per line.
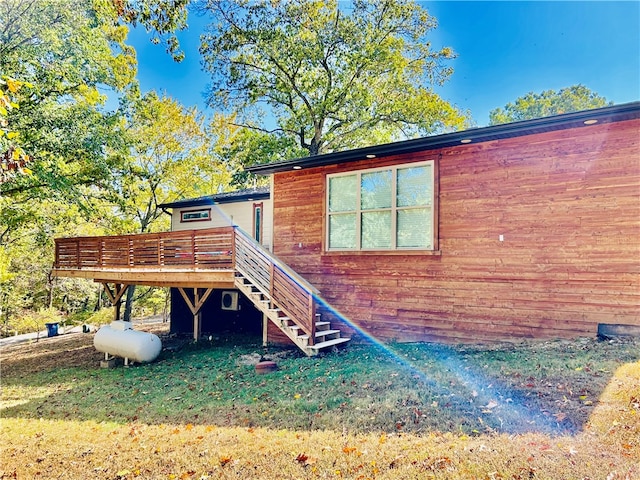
167, 302
129, 303
50, 280
316, 143
99, 300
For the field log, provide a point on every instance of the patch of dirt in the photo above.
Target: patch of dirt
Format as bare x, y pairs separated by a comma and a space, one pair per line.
254, 358
68, 351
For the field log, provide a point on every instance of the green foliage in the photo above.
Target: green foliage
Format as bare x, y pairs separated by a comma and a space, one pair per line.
74, 294
236, 147
548, 103
333, 77
152, 301
28, 321
26, 256
170, 159
91, 171
13, 158
96, 318
103, 316
5, 262
65, 51
160, 17
26, 284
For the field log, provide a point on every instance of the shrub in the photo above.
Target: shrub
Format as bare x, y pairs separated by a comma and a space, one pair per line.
101, 317
97, 318
27, 321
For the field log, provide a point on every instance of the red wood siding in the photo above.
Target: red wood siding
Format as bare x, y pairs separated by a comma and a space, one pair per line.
567, 203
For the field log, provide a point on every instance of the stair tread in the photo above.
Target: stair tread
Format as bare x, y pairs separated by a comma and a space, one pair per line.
320, 333
329, 343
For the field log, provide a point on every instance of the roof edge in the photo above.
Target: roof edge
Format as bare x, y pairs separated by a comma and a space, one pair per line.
217, 199
613, 113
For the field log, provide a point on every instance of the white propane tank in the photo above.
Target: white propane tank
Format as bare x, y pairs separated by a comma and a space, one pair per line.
121, 340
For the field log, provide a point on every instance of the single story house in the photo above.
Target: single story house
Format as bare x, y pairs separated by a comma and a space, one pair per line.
523, 230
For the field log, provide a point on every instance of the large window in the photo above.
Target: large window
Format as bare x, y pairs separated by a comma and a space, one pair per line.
387, 208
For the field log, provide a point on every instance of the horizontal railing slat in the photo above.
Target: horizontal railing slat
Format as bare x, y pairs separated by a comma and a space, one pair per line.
208, 248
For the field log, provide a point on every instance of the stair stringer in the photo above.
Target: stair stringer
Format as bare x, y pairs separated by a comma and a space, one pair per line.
325, 336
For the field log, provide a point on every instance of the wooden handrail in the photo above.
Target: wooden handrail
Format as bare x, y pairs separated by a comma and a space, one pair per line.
287, 290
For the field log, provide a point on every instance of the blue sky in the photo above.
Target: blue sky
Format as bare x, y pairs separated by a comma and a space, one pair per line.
505, 50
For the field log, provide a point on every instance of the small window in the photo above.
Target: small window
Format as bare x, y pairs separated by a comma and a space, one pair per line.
195, 215
388, 208
257, 222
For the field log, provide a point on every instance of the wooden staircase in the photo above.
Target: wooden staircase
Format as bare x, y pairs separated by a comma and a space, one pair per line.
284, 297
203, 259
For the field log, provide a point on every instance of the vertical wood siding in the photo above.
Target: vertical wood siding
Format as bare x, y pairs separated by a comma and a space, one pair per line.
567, 204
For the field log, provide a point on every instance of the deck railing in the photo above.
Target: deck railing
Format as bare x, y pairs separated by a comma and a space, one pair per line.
208, 248
225, 248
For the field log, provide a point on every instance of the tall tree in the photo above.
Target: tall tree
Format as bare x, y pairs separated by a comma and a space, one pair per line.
67, 51
170, 159
548, 103
333, 75
57, 58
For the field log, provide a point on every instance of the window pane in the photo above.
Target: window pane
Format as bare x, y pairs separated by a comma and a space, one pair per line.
376, 190
376, 230
342, 193
342, 230
414, 228
414, 186
257, 212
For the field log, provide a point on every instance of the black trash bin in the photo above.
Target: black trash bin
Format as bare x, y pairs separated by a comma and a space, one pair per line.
52, 329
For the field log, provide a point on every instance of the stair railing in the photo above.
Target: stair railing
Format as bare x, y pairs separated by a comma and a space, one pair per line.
287, 290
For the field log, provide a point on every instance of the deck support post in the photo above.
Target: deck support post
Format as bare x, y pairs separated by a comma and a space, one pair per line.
196, 316
115, 296
265, 328
195, 307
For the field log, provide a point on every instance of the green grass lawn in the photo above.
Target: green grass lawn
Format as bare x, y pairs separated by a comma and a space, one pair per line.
543, 391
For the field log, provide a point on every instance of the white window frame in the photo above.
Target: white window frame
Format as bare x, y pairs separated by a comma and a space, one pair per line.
394, 209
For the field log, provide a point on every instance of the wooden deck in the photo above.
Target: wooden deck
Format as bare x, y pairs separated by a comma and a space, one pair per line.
201, 259
194, 258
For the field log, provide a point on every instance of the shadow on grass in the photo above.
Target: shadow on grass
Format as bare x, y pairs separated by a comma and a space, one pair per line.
549, 387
